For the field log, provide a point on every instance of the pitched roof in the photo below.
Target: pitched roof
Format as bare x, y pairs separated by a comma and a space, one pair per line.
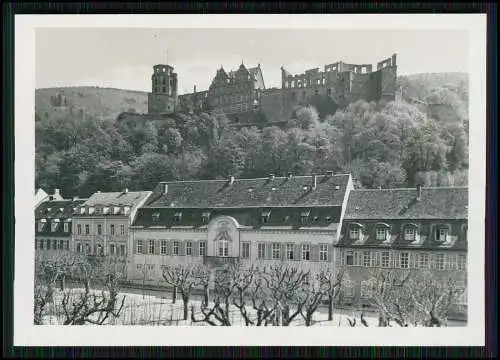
57, 209
246, 193
435, 203
129, 198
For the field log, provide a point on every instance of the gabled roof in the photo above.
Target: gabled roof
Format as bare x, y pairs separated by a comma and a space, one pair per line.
57, 209
246, 193
435, 203
129, 198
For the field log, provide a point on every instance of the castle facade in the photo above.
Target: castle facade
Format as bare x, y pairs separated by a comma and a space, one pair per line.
243, 97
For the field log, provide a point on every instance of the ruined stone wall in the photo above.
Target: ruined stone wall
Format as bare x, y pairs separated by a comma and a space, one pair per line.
161, 103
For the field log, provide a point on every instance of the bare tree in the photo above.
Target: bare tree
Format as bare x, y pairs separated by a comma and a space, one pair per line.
145, 272
89, 307
184, 279
332, 283
203, 279
284, 283
218, 312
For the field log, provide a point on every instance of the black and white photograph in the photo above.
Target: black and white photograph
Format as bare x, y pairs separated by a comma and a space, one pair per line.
317, 177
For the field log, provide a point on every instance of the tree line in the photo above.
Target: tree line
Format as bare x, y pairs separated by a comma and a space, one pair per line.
396, 145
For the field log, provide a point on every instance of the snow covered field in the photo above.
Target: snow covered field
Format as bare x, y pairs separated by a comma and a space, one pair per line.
152, 310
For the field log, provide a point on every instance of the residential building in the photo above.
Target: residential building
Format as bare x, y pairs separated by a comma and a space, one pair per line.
101, 224
53, 227
421, 229
262, 221
41, 196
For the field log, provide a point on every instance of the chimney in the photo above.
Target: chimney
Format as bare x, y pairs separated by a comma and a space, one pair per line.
419, 192
194, 89
75, 197
231, 179
289, 175
314, 182
271, 176
56, 191
165, 189
329, 173
126, 190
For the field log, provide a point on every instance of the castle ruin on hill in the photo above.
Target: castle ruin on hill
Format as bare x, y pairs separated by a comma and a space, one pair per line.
242, 96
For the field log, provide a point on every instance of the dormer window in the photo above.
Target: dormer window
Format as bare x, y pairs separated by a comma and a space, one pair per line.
354, 233
91, 210
410, 233
328, 218
441, 234
53, 226
116, 210
305, 187
126, 209
178, 216
98, 211
156, 217
49, 209
381, 233
105, 210
66, 227
316, 218
205, 216
264, 215
40, 226
304, 216
82, 210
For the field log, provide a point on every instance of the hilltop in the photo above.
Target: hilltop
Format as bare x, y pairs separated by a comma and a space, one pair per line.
97, 102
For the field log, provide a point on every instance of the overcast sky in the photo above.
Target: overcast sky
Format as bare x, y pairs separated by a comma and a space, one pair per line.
123, 58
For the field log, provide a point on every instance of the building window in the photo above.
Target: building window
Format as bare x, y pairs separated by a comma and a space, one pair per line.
189, 248
354, 233
422, 260
462, 262
139, 246
323, 252
54, 226
245, 250
122, 250
78, 248
385, 259
202, 248
139, 267
223, 247
178, 216
368, 259
122, 229
99, 229
348, 288
289, 251
100, 250
276, 251
175, 248
151, 247
205, 217
79, 229
40, 244
87, 229
54, 244
261, 251
404, 260
349, 258
156, 217
87, 248
409, 234
304, 215
112, 229
66, 227
441, 234
48, 244
264, 216
381, 233
40, 226
306, 252
163, 247
60, 245
440, 261
112, 249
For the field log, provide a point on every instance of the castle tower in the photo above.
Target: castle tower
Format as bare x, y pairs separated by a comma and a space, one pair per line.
163, 97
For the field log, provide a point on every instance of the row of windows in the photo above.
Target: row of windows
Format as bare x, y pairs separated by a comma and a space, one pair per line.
228, 99
404, 260
114, 250
176, 246
104, 210
54, 226
289, 251
47, 244
410, 232
230, 89
368, 290
99, 228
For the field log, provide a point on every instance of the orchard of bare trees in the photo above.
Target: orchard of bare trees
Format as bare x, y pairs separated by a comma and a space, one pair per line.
276, 295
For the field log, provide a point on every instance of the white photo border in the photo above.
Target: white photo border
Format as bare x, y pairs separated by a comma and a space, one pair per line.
27, 334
